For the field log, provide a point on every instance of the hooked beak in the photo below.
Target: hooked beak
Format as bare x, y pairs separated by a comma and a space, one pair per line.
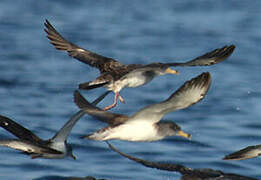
185, 135
171, 71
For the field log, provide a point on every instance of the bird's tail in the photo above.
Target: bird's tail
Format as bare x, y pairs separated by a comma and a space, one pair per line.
95, 136
91, 85
100, 135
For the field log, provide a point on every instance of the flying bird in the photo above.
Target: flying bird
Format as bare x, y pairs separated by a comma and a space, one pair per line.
245, 153
113, 74
145, 125
29, 143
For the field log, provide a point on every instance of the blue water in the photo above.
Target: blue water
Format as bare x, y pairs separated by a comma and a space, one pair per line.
37, 82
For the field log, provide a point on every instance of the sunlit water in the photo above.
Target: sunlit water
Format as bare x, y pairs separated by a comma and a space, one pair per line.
37, 82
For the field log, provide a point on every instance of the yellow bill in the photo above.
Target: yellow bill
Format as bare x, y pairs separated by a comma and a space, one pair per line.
171, 71
185, 135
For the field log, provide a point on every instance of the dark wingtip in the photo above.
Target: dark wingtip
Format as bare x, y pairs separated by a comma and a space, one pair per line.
203, 81
207, 76
204, 77
47, 24
233, 46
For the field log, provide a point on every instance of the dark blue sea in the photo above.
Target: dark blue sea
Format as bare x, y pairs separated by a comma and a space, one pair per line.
37, 82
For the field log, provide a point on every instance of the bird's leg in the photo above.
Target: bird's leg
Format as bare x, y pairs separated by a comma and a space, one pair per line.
114, 103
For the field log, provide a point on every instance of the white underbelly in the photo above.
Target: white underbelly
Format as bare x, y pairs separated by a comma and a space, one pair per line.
137, 81
132, 79
137, 132
118, 85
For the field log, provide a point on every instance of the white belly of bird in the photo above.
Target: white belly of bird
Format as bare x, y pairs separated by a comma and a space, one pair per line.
137, 81
135, 131
133, 81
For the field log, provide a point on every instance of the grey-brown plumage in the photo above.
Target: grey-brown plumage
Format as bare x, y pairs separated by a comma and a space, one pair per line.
245, 153
145, 124
28, 142
187, 173
113, 74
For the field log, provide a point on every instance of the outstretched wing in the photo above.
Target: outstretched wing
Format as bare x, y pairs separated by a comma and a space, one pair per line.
63, 133
188, 94
18, 130
210, 58
246, 153
161, 166
27, 146
187, 173
105, 116
104, 64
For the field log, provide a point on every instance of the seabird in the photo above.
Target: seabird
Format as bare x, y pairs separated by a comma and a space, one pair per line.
29, 143
246, 153
145, 125
187, 173
112, 72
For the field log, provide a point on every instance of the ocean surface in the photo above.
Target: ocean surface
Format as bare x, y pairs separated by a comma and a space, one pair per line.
37, 82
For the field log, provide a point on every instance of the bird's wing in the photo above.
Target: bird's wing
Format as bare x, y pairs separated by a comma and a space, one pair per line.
246, 153
63, 133
188, 94
210, 58
187, 173
105, 116
103, 63
18, 130
161, 166
27, 146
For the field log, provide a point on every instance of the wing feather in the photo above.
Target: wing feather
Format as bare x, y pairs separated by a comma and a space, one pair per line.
105, 116
246, 153
27, 146
188, 94
18, 130
63, 133
210, 58
103, 63
161, 166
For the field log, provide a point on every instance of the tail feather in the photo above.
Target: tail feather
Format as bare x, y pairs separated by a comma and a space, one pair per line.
95, 136
88, 136
90, 85
100, 135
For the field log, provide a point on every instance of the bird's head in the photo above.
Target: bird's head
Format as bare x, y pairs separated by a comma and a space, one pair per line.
172, 129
